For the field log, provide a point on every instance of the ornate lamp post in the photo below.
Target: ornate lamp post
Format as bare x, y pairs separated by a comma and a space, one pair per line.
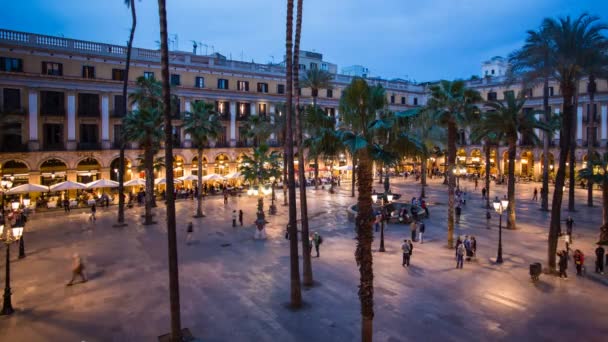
5, 184
500, 206
386, 199
8, 236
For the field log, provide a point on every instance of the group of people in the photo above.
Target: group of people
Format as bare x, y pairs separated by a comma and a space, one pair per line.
466, 247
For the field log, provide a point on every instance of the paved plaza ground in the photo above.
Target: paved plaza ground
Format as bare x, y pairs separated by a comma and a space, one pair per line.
234, 288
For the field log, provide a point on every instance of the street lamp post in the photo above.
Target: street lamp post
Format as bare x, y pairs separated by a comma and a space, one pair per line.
500, 206
386, 199
10, 236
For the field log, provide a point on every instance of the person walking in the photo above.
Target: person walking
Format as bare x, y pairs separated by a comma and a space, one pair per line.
377, 221
234, 217
93, 211
77, 270
241, 217
413, 229
66, 205
467, 247
311, 242
569, 225
535, 196
599, 261
421, 230
474, 246
317, 240
189, 231
225, 197
406, 249
483, 193
460, 250
563, 264
579, 261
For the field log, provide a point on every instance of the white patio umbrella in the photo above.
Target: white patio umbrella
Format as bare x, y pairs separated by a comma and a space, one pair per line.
68, 185
102, 183
188, 178
213, 176
27, 188
345, 168
163, 180
136, 182
233, 175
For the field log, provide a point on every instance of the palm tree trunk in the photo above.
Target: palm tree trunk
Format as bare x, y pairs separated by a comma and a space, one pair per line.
296, 293
590, 140
176, 330
365, 237
285, 178
604, 228
572, 156
149, 167
423, 178
451, 180
199, 181
511, 184
544, 192
488, 168
306, 264
353, 180
564, 147
316, 173
121, 156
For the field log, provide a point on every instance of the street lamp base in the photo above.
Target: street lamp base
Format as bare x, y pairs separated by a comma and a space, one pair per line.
273, 209
381, 249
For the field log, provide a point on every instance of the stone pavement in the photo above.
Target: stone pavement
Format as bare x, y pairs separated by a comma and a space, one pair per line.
236, 289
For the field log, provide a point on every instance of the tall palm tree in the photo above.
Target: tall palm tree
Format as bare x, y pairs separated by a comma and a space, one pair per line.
358, 105
577, 47
451, 104
176, 329
296, 291
258, 129
591, 90
534, 64
509, 118
144, 127
306, 263
203, 125
121, 157
259, 169
316, 124
316, 79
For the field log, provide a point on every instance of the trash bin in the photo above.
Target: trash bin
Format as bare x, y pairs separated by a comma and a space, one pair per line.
535, 270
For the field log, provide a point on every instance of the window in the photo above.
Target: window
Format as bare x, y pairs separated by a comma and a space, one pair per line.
117, 135
222, 83
392, 99
243, 110
52, 103
51, 68
149, 75
199, 82
314, 66
118, 74
12, 100
242, 85
262, 87
262, 109
223, 107
492, 96
301, 66
509, 93
88, 71
550, 91
415, 101
324, 66
176, 107
11, 64
528, 92
175, 80
119, 106
330, 93
402, 99
11, 140
221, 137
88, 105
331, 112
52, 136
280, 89
88, 134
492, 71
176, 131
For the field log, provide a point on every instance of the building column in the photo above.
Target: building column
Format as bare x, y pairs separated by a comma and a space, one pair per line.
105, 123
71, 175
254, 107
232, 124
187, 138
34, 177
71, 144
579, 123
33, 142
604, 123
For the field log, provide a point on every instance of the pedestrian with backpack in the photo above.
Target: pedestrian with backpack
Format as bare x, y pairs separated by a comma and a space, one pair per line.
318, 240
421, 229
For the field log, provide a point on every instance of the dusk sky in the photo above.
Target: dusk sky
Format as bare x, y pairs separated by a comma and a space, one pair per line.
417, 40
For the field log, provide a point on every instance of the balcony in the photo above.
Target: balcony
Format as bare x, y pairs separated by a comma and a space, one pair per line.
14, 147
52, 111
14, 111
117, 113
53, 147
242, 117
245, 143
225, 116
88, 146
221, 144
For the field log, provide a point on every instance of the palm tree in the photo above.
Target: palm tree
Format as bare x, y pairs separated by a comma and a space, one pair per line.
598, 173
176, 330
203, 125
296, 292
316, 124
509, 118
359, 104
258, 128
121, 158
306, 263
577, 47
316, 79
259, 169
534, 63
144, 127
451, 105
